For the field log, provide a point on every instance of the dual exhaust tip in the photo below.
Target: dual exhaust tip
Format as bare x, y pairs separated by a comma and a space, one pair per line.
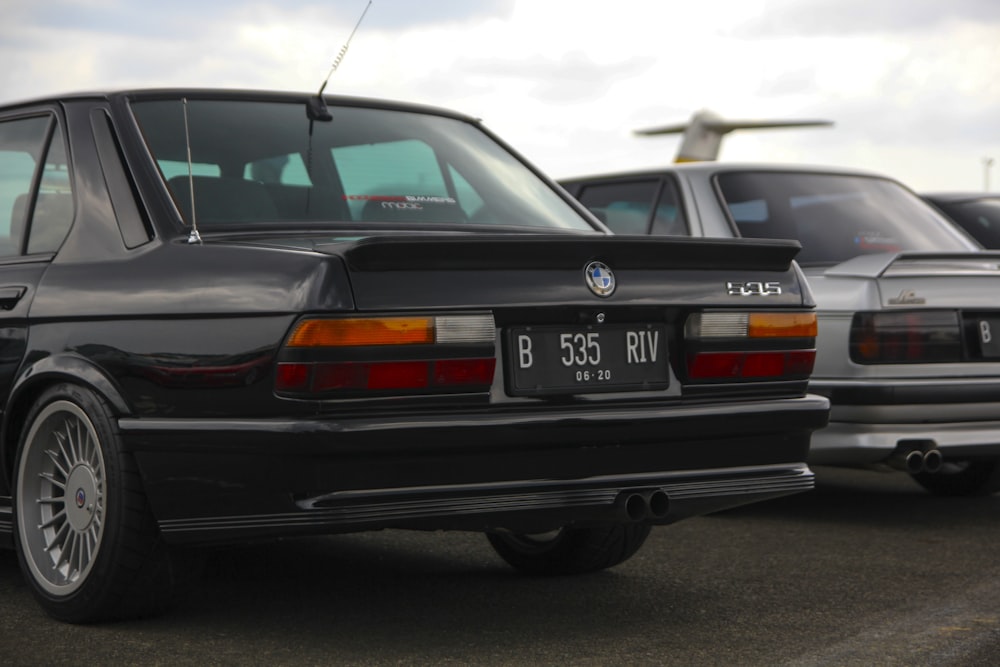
644, 504
914, 460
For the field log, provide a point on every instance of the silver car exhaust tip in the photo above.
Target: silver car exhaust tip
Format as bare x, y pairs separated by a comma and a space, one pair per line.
912, 459
907, 459
933, 460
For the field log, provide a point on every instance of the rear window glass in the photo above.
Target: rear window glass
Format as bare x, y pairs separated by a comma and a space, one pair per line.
636, 207
266, 163
835, 217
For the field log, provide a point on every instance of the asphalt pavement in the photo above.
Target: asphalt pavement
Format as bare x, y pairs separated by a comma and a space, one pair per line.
866, 570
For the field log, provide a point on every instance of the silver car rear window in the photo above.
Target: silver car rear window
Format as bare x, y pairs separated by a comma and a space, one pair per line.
835, 217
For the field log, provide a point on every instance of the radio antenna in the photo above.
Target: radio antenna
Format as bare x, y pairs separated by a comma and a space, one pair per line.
194, 236
317, 108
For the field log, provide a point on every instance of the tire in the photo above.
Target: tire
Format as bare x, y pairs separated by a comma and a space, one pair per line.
570, 550
962, 478
85, 537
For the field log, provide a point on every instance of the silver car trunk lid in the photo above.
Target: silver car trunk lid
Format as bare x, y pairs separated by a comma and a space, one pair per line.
931, 280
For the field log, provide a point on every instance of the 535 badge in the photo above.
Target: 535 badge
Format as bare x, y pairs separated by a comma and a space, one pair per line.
753, 288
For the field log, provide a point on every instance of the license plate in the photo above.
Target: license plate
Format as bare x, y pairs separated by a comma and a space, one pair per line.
569, 360
988, 332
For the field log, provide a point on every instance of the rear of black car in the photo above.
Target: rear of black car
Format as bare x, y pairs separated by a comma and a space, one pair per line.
270, 322
480, 383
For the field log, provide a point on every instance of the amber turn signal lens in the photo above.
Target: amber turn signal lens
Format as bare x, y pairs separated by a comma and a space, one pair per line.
361, 332
782, 325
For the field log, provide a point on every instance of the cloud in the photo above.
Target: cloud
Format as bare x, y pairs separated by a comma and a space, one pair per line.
906, 82
849, 17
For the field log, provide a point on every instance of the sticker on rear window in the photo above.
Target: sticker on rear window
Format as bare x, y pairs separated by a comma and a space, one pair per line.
876, 241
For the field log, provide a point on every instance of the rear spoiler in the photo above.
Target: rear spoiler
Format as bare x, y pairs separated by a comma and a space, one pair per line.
919, 264
561, 251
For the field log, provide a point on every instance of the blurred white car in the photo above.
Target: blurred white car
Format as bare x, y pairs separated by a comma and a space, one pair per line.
909, 317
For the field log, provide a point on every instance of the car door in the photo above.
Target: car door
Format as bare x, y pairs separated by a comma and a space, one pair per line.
36, 210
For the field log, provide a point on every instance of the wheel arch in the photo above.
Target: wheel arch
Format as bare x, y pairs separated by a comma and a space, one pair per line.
34, 379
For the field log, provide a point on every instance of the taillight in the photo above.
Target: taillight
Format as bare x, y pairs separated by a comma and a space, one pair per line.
906, 337
741, 346
349, 357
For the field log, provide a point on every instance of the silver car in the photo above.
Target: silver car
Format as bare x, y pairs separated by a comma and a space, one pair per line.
909, 306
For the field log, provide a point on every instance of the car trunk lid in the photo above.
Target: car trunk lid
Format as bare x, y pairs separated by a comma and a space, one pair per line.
928, 280
532, 270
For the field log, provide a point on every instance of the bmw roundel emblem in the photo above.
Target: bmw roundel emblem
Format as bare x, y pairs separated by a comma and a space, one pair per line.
600, 279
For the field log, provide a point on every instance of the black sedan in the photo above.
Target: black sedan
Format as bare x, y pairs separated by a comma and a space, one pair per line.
978, 213
232, 316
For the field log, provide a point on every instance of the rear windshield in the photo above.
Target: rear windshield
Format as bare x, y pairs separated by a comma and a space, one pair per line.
835, 217
257, 162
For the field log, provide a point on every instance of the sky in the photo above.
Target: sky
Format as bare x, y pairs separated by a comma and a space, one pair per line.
912, 86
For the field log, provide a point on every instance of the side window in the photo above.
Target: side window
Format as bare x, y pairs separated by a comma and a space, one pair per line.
636, 207
21, 144
396, 181
668, 219
53, 213
624, 207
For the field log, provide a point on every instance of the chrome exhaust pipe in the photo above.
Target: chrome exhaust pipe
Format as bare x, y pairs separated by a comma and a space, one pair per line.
907, 459
933, 460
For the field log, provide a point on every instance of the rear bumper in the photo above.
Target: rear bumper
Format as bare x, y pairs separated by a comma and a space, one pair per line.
855, 444
221, 481
869, 421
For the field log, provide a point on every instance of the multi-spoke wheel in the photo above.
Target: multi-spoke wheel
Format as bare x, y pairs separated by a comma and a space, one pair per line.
85, 537
962, 478
571, 550
61, 495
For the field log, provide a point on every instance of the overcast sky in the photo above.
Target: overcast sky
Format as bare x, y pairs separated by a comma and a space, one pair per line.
913, 86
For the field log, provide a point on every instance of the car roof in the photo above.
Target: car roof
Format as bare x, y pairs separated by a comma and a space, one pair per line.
955, 197
234, 94
722, 167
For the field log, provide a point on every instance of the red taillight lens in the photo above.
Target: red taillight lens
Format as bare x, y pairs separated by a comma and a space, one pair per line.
370, 376
764, 364
292, 377
444, 374
800, 363
726, 345
715, 365
463, 372
759, 365
350, 357
908, 337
